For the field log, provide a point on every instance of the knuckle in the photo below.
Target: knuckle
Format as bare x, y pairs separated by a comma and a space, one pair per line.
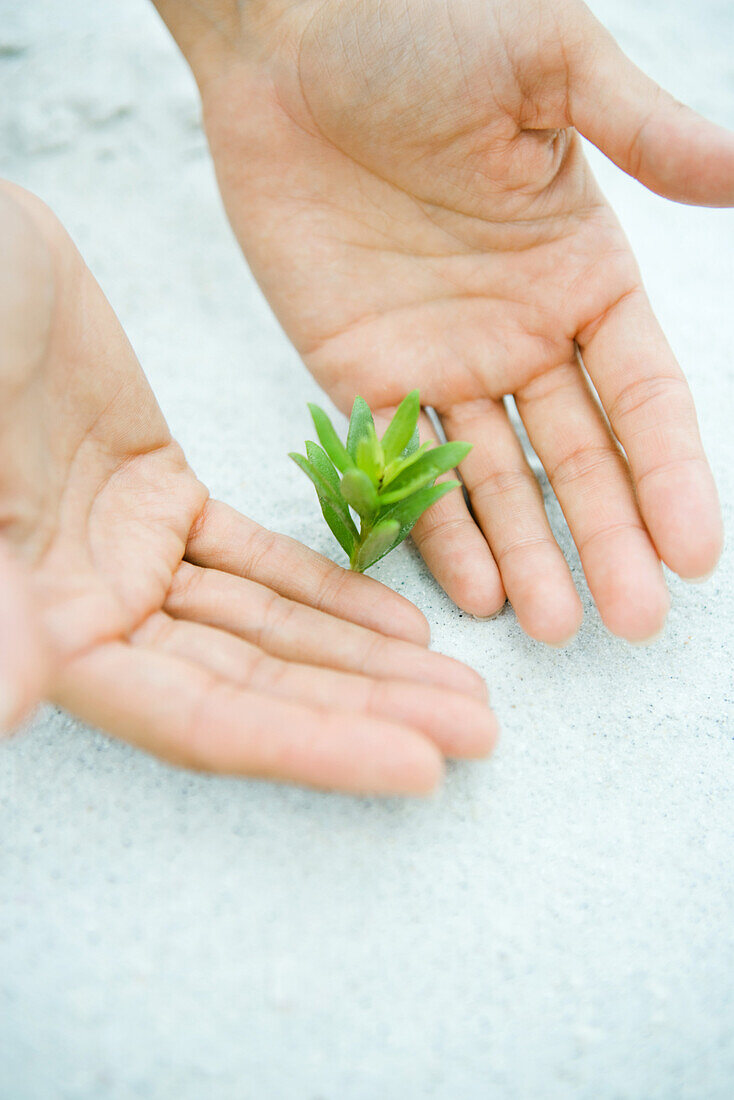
665, 391
330, 586
372, 652
499, 483
584, 461
609, 530
261, 546
276, 615
523, 546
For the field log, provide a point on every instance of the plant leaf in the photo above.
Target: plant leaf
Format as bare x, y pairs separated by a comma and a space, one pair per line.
360, 493
413, 443
379, 542
399, 464
347, 537
325, 491
407, 512
428, 467
323, 465
370, 457
412, 485
323, 488
402, 427
329, 440
359, 425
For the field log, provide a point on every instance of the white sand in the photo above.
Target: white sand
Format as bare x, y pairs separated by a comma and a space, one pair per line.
557, 922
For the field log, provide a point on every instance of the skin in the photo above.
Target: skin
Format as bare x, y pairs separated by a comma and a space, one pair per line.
166, 618
408, 185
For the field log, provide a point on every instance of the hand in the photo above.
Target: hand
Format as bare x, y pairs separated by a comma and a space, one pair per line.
22, 653
408, 185
168, 619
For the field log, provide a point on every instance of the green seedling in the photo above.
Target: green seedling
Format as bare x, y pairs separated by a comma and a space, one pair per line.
384, 485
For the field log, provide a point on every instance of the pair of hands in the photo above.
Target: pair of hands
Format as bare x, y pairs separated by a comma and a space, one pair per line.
409, 189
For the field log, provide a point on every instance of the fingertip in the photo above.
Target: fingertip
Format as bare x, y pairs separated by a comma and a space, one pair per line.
370, 756
469, 576
457, 676
414, 766
11, 707
556, 632
695, 561
683, 516
641, 643
699, 567
551, 613
639, 611
24, 660
700, 580
409, 623
475, 737
482, 598
386, 611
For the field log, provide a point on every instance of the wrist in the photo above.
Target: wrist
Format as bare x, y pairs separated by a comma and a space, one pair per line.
215, 35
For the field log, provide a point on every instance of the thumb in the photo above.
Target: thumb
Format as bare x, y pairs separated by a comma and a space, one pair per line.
665, 145
22, 656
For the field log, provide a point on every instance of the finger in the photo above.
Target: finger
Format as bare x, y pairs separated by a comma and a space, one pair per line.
647, 133
296, 632
591, 480
454, 548
225, 540
23, 665
508, 505
458, 724
191, 717
651, 411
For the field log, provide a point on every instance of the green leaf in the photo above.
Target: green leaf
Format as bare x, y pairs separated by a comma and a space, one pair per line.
323, 487
360, 493
325, 490
370, 457
402, 427
329, 440
359, 425
413, 444
407, 512
379, 542
427, 468
323, 465
347, 537
405, 489
399, 464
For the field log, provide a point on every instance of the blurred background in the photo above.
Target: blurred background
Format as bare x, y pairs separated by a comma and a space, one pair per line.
558, 921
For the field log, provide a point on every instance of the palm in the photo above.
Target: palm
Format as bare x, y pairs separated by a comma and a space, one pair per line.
170, 619
416, 205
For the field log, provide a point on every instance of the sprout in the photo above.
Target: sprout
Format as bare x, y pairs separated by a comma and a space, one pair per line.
387, 483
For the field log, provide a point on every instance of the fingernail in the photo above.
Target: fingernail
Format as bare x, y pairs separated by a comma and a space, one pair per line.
648, 641
486, 618
700, 580
9, 707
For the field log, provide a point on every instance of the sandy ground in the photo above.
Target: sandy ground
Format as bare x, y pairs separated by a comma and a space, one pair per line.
557, 922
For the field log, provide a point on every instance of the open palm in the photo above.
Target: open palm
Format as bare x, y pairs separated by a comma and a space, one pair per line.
167, 618
409, 188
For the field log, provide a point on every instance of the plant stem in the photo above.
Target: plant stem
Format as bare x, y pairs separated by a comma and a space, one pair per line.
365, 526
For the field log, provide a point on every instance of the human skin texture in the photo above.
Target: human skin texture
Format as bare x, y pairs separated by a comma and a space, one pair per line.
407, 183
166, 618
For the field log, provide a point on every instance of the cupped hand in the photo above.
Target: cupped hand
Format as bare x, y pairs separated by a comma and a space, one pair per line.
169, 619
408, 185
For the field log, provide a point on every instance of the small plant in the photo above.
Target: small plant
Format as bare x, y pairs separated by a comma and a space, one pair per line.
388, 482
